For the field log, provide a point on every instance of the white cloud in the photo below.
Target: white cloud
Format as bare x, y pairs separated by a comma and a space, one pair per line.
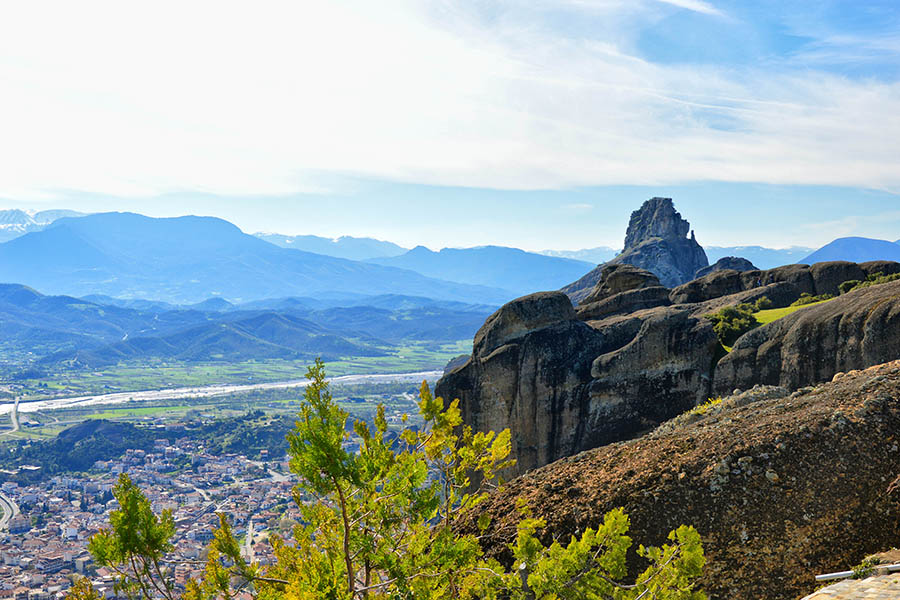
696, 6
282, 97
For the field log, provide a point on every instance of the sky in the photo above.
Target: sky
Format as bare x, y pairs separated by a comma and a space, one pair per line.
530, 123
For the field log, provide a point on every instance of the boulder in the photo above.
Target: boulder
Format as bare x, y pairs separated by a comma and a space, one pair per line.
731, 263
828, 276
780, 486
520, 316
615, 279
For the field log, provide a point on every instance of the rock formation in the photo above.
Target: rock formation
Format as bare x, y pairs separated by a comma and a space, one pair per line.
781, 486
567, 379
733, 263
657, 241
860, 328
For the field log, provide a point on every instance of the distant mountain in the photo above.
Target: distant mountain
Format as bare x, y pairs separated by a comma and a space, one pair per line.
259, 336
190, 259
855, 249
61, 330
15, 222
493, 266
763, 258
596, 256
343, 247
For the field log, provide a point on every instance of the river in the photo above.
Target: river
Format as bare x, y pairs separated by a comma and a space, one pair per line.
210, 391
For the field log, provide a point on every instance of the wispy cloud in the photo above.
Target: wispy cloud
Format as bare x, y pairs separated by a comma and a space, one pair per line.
113, 98
695, 5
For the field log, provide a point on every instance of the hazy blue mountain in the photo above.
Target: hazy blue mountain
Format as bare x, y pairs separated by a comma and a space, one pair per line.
15, 223
258, 336
762, 258
352, 248
494, 266
190, 259
855, 249
596, 256
60, 330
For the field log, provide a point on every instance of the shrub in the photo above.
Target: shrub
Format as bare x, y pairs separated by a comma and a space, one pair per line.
873, 279
732, 322
806, 298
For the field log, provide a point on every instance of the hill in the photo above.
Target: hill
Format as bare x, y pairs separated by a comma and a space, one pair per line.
60, 330
493, 266
855, 249
190, 259
352, 248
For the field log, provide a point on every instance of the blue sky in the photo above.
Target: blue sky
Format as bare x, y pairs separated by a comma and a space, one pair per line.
539, 124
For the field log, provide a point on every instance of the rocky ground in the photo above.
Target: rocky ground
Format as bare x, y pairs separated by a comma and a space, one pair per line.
782, 486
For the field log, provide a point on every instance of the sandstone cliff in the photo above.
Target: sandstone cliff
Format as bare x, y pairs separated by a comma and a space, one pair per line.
732, 263
781, 486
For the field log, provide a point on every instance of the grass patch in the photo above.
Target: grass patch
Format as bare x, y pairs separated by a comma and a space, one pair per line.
765, 317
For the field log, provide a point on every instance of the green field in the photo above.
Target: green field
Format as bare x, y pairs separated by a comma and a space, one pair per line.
126, 377
773, 314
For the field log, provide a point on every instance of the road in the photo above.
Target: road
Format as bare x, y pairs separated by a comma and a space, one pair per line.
10, 511
209, 391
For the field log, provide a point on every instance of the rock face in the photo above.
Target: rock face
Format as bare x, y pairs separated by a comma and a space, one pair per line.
657, 240
858, 329
615, 279
821, 278
732, 263
781, 486
568, 385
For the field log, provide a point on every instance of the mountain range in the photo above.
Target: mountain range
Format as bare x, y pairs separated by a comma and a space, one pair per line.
855, 249
189, 259
353, 248
507, 268
63, 330
15, 222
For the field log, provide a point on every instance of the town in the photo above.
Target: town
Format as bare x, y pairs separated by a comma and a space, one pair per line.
48, 525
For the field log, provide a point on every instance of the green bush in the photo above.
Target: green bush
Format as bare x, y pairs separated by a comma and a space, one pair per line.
810, 299
873, 279
732, 322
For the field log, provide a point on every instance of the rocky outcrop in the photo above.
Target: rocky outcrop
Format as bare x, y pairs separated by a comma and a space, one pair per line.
565, 380
570, 385
818, 279
780, 486
624, 303
859, 329
731, 263
657, 241
615, 279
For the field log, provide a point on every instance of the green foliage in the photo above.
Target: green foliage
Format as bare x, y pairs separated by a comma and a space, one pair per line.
806, 298
865, 568
873, 279
135, 545
384, 523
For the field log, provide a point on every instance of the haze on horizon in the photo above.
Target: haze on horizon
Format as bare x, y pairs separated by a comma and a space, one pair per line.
529, 124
